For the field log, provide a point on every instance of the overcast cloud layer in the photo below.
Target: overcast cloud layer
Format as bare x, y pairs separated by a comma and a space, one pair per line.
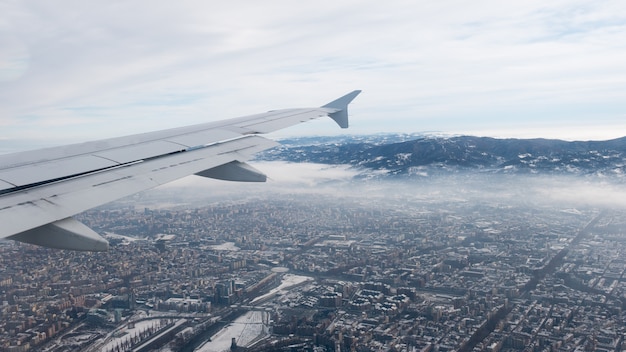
76, 70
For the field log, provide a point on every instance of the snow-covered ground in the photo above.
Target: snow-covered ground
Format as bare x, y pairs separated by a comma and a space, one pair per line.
247, 329
124, 335
226, 246
289, 280
122, 237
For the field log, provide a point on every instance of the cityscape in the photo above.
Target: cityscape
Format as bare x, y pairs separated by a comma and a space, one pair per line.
328, 176
389, 268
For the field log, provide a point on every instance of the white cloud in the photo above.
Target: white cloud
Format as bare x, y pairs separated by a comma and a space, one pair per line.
81, 70
281, 174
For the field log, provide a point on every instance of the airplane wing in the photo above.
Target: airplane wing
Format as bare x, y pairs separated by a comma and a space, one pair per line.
41, 190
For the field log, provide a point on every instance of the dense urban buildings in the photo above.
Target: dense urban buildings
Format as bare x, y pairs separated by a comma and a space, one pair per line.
407, 272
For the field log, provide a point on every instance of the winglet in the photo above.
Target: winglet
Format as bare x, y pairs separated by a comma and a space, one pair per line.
341, 105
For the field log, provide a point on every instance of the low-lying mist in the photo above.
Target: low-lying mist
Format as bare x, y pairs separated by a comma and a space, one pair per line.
343, 182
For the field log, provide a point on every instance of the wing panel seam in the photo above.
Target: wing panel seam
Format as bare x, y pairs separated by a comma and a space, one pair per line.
120, 165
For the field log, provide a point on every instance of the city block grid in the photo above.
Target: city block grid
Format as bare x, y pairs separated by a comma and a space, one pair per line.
311, 274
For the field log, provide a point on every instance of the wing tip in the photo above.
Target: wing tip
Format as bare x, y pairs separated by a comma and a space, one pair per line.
342, 102
341, 105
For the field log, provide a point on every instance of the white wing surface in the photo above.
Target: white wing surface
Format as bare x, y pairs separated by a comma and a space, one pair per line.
41, 190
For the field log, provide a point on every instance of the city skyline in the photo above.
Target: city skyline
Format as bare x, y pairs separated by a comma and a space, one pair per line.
73, 72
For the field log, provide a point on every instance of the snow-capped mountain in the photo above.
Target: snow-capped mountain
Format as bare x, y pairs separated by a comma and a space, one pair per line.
427, 155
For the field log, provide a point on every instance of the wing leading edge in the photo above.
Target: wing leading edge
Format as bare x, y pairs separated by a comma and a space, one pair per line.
41, 190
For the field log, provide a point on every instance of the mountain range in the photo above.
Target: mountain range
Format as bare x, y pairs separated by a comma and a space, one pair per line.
412, 155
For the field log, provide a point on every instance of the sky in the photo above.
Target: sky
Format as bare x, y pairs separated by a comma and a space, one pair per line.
72, 71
